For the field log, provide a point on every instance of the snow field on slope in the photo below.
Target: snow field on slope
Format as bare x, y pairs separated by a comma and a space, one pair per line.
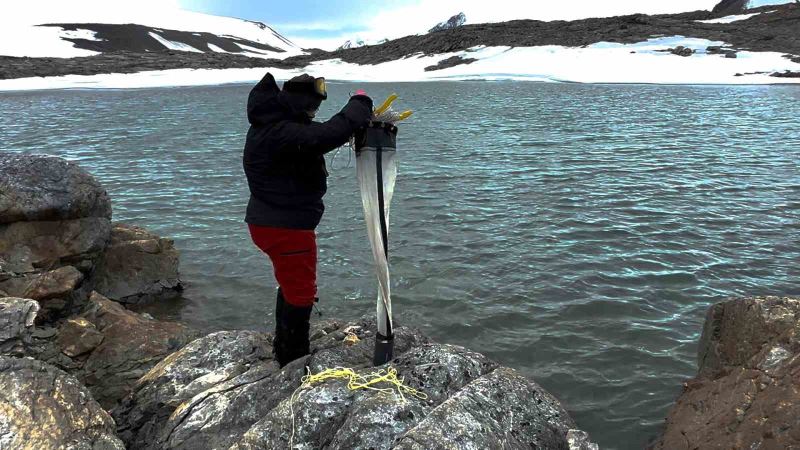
173, 45
731, 19
27, 39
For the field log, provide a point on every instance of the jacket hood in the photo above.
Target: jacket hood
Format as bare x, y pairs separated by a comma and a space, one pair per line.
263, 105
267, 103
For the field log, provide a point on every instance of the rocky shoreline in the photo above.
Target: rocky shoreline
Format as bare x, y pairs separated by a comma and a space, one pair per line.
774, 32
78, 369
747, 390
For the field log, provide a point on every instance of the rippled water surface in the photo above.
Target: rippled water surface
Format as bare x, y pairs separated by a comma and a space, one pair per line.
576, 233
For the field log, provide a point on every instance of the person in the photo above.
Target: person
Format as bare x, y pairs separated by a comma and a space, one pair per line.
285, 168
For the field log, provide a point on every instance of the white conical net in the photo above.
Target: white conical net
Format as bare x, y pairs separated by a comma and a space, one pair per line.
367, 169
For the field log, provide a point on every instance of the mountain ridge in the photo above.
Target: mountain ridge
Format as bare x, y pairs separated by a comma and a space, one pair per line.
765, 29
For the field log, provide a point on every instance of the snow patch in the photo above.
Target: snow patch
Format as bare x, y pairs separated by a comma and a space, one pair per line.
88, 35
735, 18
174, 45
33, 41
251, 54
258, 53
19, 35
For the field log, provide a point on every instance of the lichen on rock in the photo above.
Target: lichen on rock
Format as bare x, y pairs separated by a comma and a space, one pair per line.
239, 398
17, 316
746, 392
42, 407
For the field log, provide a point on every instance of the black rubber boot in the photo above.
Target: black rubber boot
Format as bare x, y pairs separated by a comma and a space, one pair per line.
291, 331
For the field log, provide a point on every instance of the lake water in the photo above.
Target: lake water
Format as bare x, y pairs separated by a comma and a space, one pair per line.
577, 233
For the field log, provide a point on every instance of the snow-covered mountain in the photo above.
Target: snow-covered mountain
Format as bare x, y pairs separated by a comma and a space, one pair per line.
453, 22
358, 42
352, 44
63, 36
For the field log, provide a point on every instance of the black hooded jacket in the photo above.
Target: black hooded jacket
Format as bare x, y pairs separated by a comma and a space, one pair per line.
283, 155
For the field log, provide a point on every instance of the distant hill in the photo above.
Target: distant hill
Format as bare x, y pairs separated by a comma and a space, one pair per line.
690, 47
179, 30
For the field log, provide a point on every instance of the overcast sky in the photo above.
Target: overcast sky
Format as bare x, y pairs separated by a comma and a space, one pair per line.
327, 23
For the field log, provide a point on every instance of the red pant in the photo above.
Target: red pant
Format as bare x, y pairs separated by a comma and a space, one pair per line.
294, 259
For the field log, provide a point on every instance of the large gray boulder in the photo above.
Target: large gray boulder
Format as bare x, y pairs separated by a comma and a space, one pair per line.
17, 316
132, 344
55, 219
42, 407
137, 266
747, 391
48, 188
225, 391
41, 245
194, 369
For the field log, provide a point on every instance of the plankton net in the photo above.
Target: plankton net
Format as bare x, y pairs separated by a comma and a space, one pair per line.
377, 170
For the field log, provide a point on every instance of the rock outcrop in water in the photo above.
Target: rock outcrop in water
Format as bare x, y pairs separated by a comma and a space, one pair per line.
747, 391
57, 242
137, 266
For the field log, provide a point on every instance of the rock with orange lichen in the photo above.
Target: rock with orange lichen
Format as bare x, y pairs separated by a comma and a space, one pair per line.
42, 407
747, 391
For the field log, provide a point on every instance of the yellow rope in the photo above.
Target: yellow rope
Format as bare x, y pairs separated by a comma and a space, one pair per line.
355, 382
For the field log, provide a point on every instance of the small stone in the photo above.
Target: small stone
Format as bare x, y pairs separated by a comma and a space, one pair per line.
338, 335
351, 339
78, 336
17, 316
44, 332
45, 285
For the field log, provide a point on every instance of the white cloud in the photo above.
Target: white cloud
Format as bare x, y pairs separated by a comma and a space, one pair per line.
31, 12
418, 18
